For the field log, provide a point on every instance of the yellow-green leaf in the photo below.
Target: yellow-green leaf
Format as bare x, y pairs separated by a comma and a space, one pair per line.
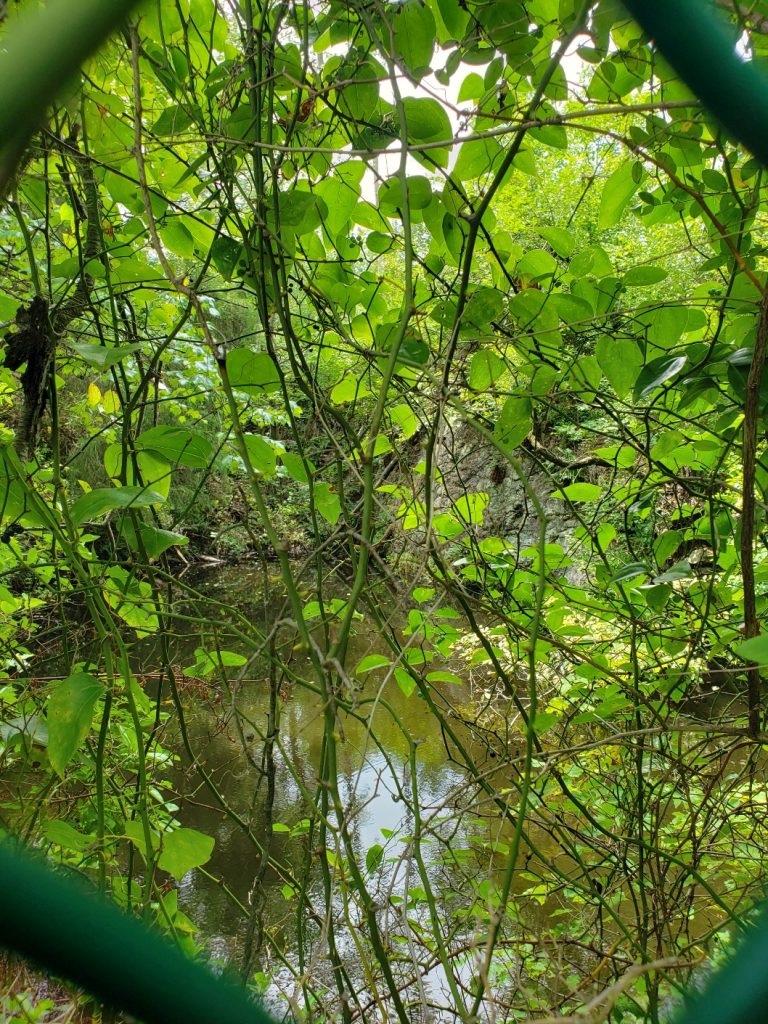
69, 717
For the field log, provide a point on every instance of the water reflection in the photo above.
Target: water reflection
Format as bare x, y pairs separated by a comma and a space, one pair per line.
378, 748
400, 772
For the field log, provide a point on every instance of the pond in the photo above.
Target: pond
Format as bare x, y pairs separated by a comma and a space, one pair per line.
634, 845
428, 803
391, 755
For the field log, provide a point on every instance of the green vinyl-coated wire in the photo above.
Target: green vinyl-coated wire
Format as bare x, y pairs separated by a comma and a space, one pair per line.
700, 45
63, 925
41, 51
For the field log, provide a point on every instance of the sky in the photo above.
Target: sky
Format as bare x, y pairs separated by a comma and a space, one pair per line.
388, 163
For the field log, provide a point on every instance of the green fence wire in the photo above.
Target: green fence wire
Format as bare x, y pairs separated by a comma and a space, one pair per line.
701, 47
738, 994
41, 52
62, 924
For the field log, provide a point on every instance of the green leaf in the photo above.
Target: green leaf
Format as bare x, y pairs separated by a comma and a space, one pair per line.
544, 720
370, 662
42, 50
679, 571
358, 88
755, 649
657, 595
630, 571
177, 237
560, 239
262, 454
572, 310
134, 270
239, 125
537, 264
656, 373
296, 468
427, 121
471, 88
485, 369
341, 194
132, 599
8, 307
593, 260
252, 371
327, 502
476, 158
177, 445
580, 492
587, 374
419, 193
515, 422
405, 681
443, 676
155, 471
348, 389
738, 992
553, 135
618, 192
302, 212
404, 417
103, 356
621, 361
184, 849
413, 31
103, 499
666, 545
470, 508
151, 538
454, 16
31, 727
412, 351
484, 306
373, 858
643, 277
69, 716
134, 831
329, 609
206, 664
377, 242
226, 253
15, 502
63, 834
525, 161
173, 120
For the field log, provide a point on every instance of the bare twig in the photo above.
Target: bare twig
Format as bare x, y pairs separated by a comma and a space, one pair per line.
599, 1008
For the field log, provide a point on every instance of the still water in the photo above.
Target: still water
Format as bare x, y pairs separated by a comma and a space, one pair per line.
390, 748
401, 773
